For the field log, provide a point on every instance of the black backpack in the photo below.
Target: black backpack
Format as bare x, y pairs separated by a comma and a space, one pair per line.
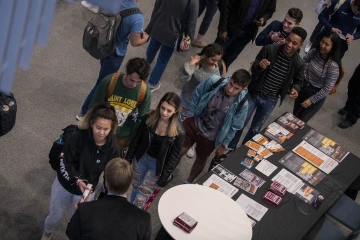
57, 147
8, 108
99, 38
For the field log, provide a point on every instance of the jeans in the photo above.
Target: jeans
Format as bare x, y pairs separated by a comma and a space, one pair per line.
108, 65
233, 45
144, 182
315, 32
264, 107
353, 100
164, 56
343, 46
211, 9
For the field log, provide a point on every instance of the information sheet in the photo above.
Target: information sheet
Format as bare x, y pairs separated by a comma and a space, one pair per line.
251, 208
290, 181
218, 184
224, 173
315, 157
307, 194
266, 167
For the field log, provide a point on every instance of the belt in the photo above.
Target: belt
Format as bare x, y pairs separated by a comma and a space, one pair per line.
268, 96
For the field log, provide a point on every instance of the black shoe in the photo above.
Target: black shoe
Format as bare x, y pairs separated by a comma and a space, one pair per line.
343, 111
345, 124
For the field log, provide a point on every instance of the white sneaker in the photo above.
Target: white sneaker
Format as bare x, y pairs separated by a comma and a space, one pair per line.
45, 238
79, 116
89, 6
307, 47
191, 152
154, 87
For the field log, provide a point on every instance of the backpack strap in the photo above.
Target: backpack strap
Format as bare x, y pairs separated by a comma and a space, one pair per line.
142, 93
215, 85
112, 84
221, 67
241, 103
337, 6
129, 11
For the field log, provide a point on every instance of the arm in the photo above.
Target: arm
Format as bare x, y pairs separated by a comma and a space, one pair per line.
324, 16
224, 69
298, 77
137, 36
269, 11
192, 18
237, 124
187, 71
135, 141
100, 92
73, 228
225, 14
263, 38
357, 32
171, 160
255, 68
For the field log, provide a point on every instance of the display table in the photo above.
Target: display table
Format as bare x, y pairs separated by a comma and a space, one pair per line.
218, 216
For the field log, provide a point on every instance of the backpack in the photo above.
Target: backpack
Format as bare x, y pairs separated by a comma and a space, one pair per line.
58, 145
8, 108
99, 38
218, 82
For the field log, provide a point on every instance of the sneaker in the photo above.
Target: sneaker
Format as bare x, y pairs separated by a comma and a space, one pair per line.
191, 152
343, 111
153, 88
307, 47
46, 238
89, 6
79, 116
345, 124
199, 44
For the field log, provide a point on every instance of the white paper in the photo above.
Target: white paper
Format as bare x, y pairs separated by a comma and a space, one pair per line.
289, 180
218, 184
266, 167
315, 157
251, 208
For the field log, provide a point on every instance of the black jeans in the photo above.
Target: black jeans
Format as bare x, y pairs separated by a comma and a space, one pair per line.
353, 100
306, 92
315, 32
211, 9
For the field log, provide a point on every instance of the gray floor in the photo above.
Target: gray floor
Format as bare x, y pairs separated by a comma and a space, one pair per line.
52, 91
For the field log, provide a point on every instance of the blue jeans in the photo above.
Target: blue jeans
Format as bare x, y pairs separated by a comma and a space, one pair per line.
263, 106
211, 9
144, 182
234, 45
108, 65
164, 56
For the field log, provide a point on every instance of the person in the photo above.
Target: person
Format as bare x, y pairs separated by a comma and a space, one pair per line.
322, 70
217, 111
239, 24
164, 29
351, 110
111, 217
155, 150
129, 30
278, 70
276, 31
343, 22
126, 98
83, 159
211, 9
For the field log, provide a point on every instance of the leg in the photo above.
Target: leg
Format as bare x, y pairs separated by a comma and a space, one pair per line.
202, 6
354, 113
236, 47
190, 136
251, 108
263, 110
307, 113
303, 95
139, 170
315, 32
109, 65
59, 201
353, 88
211, 9
161, 63
152, 50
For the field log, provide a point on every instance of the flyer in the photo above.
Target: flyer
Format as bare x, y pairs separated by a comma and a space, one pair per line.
253, 178
224, 173
245, 185
302, 168
307, 194
220, 185
290, 181
277, 133
326, 145
315, 157
251, 208
266, 167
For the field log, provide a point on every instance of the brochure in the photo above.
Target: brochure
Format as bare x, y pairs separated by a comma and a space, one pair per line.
277, 133
245, 185
251, 208
253, 178
290, 181
224, 173
220, 185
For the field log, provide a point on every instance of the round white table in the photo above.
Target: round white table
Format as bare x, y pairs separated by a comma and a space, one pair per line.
218, 216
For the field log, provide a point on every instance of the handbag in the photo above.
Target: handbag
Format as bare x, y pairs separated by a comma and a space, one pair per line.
183, 42
8, 108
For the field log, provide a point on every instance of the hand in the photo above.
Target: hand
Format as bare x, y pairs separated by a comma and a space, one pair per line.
336, 30
294, 94
144, 35
220, 150
76, 206
261, 22
223, 35
276, 37
82, 186
264, 63
306, 103
349, 38
195, 60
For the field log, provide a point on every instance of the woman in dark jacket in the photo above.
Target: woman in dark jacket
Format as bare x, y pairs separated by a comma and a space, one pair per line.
83, 159
156, 149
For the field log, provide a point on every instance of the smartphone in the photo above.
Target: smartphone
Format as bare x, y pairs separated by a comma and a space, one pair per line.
342, 36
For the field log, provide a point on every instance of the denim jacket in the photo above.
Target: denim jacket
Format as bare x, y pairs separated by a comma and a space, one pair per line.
234, 120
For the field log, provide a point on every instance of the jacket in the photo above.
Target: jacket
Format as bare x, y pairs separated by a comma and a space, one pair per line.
168, 155
165, 22
234, 120
295, 75
264, 38
81, 158
110, 218
232, 13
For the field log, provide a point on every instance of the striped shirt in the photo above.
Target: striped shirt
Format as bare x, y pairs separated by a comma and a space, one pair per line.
320, 73
276, 76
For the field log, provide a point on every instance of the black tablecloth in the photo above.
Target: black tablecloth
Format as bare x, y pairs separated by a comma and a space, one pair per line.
293, 218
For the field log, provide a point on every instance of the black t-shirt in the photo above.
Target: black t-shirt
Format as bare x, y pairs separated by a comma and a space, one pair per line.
155, 145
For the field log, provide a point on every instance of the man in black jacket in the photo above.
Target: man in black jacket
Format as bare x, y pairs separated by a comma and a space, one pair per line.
239, 23
111, 217
277, 70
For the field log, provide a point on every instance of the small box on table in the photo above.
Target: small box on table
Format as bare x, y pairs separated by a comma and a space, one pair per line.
185, 222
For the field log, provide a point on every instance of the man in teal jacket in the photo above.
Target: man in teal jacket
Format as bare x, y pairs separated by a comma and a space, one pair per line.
218, 109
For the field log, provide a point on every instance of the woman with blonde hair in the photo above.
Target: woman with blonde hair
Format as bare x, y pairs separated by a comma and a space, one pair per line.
156, 149
82, 160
